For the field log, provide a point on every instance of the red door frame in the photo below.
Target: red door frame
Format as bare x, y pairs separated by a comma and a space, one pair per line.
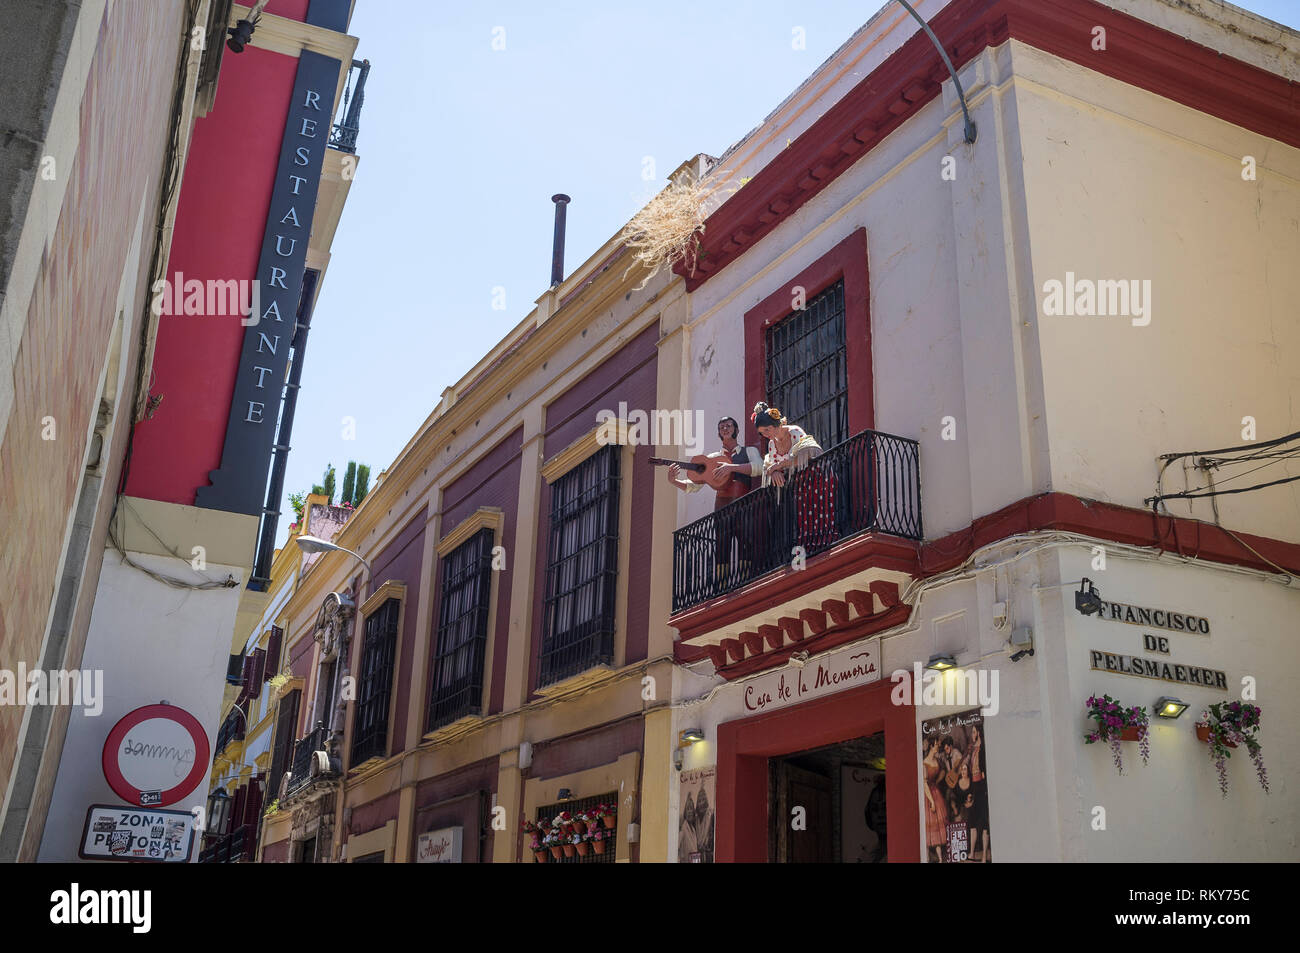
744, 746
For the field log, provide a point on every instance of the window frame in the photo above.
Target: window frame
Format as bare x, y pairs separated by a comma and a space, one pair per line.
485, 520
609, 438
846, 261
379, 599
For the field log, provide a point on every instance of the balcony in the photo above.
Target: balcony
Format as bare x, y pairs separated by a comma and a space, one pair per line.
740, 572
343, 134
238, 845
232, 729
304, 770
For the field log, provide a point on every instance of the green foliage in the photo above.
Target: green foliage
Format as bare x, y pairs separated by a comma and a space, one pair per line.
363, 484
349, 481
298, 501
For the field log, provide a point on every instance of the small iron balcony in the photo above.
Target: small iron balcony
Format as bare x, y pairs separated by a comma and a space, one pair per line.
869, 483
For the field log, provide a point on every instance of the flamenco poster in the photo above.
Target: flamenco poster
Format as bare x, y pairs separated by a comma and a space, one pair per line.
955, 787
695, 836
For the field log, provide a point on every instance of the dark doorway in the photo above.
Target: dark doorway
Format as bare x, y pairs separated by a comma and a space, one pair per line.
307, 852
829, 804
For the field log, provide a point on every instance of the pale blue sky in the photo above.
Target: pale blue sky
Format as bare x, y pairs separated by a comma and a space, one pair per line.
461, 148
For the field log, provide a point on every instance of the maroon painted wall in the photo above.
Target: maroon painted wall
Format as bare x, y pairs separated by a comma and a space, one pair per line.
630, 376
588, 749
492, 481
402, 561
462, 797
374, 814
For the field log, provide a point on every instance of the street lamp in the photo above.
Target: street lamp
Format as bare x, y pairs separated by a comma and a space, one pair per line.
313, 544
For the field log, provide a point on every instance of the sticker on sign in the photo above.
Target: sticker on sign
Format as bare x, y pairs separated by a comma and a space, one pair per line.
128, 833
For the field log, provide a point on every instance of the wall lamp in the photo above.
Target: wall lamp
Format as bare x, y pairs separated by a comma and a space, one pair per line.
1167, 707
564, 795
1087, 601
686, 738
242, 32
941, 663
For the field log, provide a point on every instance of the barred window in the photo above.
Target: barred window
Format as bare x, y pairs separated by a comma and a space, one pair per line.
807, 367
378, 652
547, 812
462, 631
581, 568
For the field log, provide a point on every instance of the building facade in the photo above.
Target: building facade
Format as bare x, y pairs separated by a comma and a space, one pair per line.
165, 502
992, 450
499, 659
99, 98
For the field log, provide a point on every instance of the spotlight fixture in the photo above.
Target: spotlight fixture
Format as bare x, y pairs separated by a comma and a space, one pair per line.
941, 663
242, 32
1087, 601
1021, 654
564, 795
1166, 707
689, 737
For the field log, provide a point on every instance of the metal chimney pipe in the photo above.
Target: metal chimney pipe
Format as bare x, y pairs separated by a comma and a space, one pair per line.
557, 249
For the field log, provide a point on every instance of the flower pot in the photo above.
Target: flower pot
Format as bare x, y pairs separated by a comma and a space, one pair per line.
580, 826
557, 851
583, 847
569, 850
1129, 734
609, 820
1203, 734
598, 846
541, 856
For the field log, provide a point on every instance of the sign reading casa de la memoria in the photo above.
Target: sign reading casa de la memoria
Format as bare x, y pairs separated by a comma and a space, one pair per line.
856, 665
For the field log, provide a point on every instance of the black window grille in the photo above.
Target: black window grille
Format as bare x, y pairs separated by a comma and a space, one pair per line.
582, 568
807, 367
286, 726
370, 730
548, 812
462, 631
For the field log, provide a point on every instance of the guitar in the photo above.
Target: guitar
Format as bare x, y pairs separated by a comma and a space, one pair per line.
951, 778
704, 469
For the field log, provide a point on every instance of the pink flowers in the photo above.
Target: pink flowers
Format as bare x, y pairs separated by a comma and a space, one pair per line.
1228, 725
1112, 720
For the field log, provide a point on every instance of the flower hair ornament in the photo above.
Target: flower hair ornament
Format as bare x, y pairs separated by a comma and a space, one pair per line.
762, 410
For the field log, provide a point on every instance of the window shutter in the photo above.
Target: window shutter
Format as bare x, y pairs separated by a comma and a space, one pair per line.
274, 645
254, 688
234, 668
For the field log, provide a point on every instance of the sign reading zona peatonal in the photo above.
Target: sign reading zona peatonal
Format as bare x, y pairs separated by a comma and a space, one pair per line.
156, 755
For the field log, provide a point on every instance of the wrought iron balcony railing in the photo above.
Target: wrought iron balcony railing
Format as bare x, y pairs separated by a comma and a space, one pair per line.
343, 134
869, 483
232, 729
240, 844
304, 753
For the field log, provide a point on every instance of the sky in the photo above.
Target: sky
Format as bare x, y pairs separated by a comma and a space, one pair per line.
474, 116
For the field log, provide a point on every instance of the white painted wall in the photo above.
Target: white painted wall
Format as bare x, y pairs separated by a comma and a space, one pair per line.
1124, 184
153, 643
